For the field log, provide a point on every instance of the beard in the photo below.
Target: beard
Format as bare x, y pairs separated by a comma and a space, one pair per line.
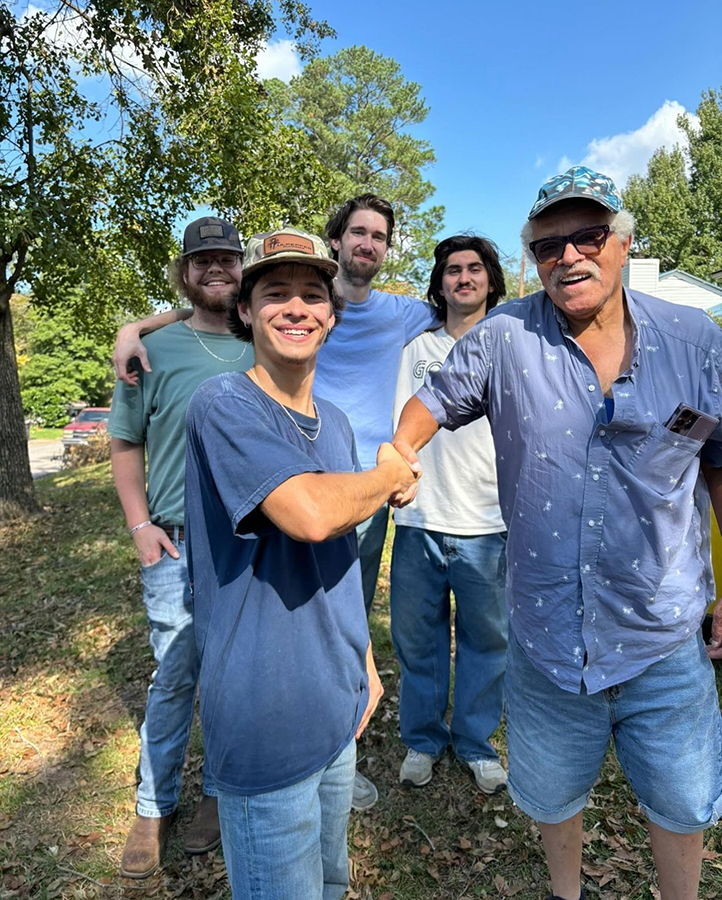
217, 303
357, 271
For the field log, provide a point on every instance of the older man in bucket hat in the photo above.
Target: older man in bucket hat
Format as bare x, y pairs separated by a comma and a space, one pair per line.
605, 407
273, 497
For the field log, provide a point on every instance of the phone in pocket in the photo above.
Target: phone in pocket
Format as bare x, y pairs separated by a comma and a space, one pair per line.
691, 423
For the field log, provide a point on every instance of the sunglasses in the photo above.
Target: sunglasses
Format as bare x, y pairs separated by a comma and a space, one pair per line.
227, 260
588, 241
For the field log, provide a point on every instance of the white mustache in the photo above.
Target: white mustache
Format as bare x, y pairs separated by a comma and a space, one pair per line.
586, 268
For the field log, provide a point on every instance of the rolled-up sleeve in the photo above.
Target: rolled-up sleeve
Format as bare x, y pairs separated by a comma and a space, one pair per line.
454, 394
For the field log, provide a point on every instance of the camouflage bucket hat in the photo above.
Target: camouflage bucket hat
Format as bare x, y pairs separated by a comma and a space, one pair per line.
578, 182
287, 245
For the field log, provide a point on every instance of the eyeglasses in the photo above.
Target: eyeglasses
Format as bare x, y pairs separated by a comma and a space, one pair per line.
589, 241
227, 260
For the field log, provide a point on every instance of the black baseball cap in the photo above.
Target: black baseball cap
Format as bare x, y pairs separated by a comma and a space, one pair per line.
210, 233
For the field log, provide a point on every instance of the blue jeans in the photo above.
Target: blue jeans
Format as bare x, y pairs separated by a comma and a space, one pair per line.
425, 567
169, 707
667, 732
290, 844
371, 535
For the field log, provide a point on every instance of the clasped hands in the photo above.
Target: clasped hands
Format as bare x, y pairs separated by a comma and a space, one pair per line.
407, 471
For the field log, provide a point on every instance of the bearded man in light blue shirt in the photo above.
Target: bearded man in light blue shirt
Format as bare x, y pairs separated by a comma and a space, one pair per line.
607, 503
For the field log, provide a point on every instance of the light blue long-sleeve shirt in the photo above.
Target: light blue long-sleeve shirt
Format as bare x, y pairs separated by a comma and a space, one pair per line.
609, 523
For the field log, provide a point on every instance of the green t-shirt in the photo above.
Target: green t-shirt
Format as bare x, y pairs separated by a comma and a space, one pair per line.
154, 412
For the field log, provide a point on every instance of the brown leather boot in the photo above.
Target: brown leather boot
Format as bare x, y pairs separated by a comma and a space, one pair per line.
144, 846
204, 833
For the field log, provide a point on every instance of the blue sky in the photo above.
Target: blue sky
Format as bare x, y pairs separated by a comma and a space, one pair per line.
520, 90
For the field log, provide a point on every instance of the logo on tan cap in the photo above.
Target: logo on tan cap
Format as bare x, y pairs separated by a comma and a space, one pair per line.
287, 243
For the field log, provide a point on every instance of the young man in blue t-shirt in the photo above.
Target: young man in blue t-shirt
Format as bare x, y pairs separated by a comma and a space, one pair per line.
356, 368
273, 496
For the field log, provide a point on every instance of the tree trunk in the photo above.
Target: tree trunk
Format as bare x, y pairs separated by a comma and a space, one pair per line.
17, 496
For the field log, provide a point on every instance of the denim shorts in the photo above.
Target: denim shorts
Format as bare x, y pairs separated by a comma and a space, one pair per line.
667, 732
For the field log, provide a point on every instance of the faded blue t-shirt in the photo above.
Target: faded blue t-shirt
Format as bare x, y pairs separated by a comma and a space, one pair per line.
280, 624
358, 365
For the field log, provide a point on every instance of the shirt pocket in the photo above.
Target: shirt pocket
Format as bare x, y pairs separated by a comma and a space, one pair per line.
663, 458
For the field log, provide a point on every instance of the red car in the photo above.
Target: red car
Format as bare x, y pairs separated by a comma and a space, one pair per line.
89, 421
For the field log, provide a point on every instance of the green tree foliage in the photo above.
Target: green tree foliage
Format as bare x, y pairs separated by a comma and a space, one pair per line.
357, 110
512, 278
62, 365
97, 188
115, 120
662, 205
678, 203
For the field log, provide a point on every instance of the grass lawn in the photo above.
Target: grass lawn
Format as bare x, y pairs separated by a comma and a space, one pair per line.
74, 675
46, 434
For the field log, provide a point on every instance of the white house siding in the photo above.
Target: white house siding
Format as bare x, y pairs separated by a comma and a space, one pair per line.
677, 291
676, 287
642, 275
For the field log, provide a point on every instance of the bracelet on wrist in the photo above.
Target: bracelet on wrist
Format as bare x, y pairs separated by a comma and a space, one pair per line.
138, 527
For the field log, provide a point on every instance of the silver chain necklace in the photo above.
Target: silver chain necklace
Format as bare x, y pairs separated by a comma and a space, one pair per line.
210, 352
252, 375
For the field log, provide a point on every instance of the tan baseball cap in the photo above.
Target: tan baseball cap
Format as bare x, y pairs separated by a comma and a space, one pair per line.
287, 245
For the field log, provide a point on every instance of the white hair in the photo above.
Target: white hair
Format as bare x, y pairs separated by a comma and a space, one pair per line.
621, 223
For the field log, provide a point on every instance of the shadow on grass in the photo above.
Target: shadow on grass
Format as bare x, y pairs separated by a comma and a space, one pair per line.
75, 669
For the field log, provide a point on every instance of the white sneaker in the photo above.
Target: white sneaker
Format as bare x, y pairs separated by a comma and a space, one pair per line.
365, 794
489, 775
417, 769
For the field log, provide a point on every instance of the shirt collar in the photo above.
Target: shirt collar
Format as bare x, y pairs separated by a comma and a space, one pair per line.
631, 308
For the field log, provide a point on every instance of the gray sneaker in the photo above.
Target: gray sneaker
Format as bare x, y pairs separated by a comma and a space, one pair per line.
417, 769
365, 794
489, 775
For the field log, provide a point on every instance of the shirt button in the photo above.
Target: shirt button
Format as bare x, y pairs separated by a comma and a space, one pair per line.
580, 612
602, 432
590, 523
591, 388
595, 477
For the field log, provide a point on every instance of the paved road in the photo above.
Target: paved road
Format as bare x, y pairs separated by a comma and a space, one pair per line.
45, 457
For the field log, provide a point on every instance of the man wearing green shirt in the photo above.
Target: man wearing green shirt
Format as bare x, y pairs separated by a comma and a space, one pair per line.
148, 419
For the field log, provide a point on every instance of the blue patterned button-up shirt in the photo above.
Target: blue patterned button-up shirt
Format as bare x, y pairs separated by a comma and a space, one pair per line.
609, 522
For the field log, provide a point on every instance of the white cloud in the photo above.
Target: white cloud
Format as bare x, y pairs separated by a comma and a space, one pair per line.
64, 32
622, 155
278, 59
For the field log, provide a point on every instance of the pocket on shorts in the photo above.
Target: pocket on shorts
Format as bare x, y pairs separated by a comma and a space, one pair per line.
663, 458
